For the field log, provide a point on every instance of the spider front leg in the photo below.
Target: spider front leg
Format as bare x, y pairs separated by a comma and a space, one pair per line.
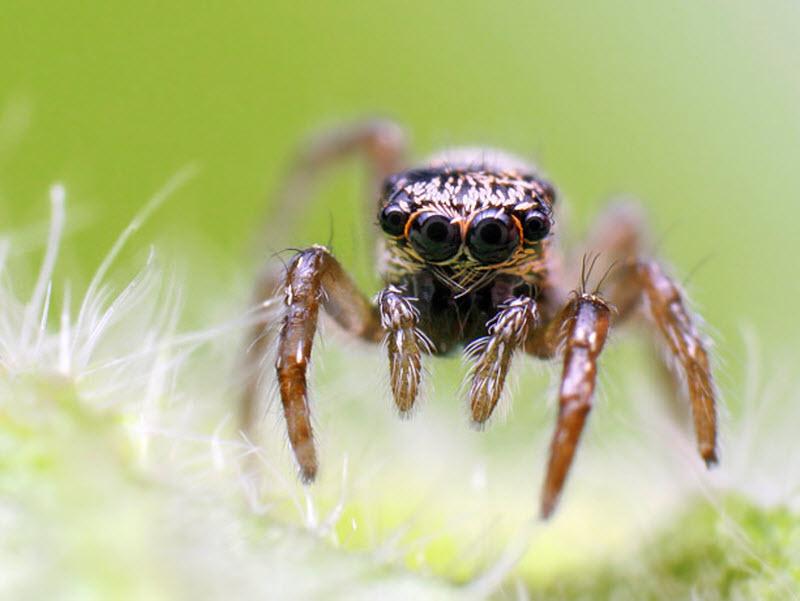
507, 333
582, 325
314, 278
381, 144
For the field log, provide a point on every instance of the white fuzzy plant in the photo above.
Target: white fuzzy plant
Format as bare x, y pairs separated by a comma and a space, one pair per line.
122, 474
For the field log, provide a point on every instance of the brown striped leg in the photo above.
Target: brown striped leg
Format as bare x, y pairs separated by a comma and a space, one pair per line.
585, 322
405, 344
636, 284
665, 306
314, 278
493, 353
380, 143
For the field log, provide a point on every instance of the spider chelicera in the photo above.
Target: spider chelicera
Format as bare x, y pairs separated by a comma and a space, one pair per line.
469, 260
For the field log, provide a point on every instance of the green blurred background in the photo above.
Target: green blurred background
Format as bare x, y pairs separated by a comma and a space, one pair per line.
694, 107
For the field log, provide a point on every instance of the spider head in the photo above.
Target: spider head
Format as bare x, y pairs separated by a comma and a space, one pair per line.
463, 219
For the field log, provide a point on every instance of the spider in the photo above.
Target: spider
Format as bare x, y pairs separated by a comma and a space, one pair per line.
469, 260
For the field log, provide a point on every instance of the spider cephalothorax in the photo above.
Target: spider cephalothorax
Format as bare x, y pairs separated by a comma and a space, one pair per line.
467, 221
467, 254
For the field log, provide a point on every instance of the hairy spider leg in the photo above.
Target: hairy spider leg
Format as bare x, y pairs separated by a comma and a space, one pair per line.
314, 277
665, 306
640, 284
493, 354
381, 144
633, 283
405, 344
582, 325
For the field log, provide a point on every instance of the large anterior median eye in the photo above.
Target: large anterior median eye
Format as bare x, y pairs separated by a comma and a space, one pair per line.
492, 237
434, 237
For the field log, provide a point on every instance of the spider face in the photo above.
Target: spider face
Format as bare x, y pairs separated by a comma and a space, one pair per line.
466, 222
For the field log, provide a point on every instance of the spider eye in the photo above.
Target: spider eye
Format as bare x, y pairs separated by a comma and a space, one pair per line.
435, 237
536, 226
492, 236
393, 220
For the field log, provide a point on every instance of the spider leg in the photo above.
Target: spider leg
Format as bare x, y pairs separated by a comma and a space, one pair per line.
381, 143
405, 344
493, 353
313, 278
582, 325
638, 283
665, 306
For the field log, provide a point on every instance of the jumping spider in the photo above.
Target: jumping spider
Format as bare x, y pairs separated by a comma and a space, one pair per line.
469, 260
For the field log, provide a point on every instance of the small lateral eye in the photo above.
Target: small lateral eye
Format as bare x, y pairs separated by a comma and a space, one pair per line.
535, 226
492, 236
434, 236
393, 220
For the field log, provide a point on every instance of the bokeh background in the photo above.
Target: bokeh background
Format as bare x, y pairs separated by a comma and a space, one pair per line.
691, 107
